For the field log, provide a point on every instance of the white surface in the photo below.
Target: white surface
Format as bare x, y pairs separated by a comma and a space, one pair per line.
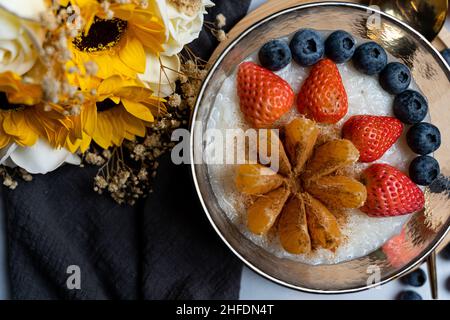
254, 286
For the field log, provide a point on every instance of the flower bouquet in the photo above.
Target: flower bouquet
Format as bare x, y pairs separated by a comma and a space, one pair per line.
98, 82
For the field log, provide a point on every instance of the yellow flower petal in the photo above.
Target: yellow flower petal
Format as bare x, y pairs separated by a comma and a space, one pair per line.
85, 142
134, 126
89, 118
72, 146
132, 54
150, 38
112, 84
103, 133
19, 92
138, 110
16, 125
118, 127
4, 138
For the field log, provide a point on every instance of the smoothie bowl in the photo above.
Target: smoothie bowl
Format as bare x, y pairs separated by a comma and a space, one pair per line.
351, 114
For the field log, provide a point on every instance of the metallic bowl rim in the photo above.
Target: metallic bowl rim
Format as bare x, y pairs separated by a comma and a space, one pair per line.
411, 265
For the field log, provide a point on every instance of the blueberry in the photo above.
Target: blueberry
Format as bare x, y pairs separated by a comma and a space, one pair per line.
409, 295
340, 46
307, 47
410, 107
446, 55
423, 138
445, 253
416, 278
370, 58
275, 55
423, 170
395, 77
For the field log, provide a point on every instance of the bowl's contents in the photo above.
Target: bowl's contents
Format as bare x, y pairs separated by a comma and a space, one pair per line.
264, 97
275, 55
390, 192
372, 135
410, 107
424, 170
370, 58
340, 46
395, 78
307, 47
424, 138
313, 206
322, 96
306, 220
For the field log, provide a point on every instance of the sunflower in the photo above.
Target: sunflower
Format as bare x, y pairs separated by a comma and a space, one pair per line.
116, 39
23, 118
121, 110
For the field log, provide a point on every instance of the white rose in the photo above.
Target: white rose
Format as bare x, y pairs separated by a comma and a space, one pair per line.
161, 79
40, 158
19, 33
183, 23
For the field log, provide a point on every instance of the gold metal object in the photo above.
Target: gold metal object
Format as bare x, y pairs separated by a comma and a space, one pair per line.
426, 16
432, 274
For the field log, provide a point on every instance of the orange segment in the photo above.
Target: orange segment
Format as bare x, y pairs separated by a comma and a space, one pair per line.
338, 191
293, 227
284, 166
322, 225
256, 179
265, 210
301, 136
329, 157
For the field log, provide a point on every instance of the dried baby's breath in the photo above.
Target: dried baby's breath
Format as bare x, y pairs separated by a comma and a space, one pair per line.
220, 35
221, 21
216, 27
174, 100
9, 176
188, 7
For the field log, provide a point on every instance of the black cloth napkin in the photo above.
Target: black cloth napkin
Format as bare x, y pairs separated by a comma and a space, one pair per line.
163, 248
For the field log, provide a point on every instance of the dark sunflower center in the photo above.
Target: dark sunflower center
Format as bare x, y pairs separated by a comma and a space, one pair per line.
5, 105
103, 34
105, 105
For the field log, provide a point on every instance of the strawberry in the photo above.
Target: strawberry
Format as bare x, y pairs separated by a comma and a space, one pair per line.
390, 192
264, 96
399, 250
372, 135
322, 96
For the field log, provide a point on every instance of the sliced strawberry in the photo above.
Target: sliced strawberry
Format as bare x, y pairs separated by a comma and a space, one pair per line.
372, 135
322, 96
263, 96
390, 192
